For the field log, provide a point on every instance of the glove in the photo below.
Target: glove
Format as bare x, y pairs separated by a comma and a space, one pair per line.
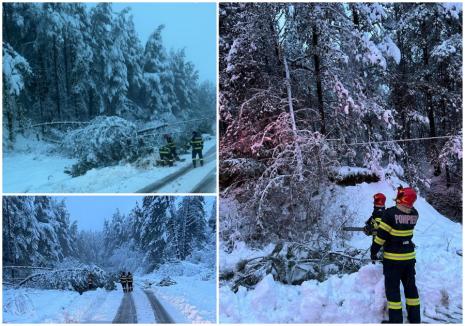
374, 257
366, 229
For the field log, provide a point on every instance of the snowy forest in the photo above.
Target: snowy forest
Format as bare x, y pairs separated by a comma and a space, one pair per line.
358, 76
167, 243
72, 72
37, 231
322, 105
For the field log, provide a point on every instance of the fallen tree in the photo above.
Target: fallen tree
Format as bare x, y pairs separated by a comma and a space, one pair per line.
294, 263
65, 278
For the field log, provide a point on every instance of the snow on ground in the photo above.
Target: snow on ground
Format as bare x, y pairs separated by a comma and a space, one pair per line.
34, 167
357, 297
28, 305
193, 298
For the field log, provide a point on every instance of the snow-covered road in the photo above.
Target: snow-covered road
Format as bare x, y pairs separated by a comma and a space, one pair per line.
191, 300
99, 306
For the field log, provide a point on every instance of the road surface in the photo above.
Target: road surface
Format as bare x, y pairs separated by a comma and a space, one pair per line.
127, 311
161, 315
208, 184
153, 187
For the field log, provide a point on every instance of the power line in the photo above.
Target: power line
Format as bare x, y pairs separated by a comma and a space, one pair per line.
393, 141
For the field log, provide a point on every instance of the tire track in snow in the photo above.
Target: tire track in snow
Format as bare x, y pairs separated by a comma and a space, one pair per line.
207, 184
127, 311
161, 315
144, 309
153, 187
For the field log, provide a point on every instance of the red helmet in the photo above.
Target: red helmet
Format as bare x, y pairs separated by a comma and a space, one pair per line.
406, 197
379, 199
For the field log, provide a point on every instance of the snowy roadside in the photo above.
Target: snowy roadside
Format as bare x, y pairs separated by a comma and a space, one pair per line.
28, 305
357, 297
193, 298
33, 169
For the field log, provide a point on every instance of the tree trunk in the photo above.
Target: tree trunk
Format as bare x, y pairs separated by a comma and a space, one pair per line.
11, 241
57, 79
292, 116
66, 58
10, 121
429, 99
90, 112
319, 88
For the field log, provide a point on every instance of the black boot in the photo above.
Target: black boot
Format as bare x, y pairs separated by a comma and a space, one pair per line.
413, 314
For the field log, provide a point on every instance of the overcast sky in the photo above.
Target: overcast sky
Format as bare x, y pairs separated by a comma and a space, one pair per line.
91, 211
187, 25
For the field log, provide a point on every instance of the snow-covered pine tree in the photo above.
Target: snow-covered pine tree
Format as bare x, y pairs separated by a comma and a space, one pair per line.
159, 80
191, 225
63, 230
153, 235
185, 82
212, 219
15, 70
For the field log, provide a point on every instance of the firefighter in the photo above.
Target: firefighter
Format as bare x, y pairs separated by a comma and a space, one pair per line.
124, 281
165, 156
171, 146
130, 280
372, 224
90, 281
395, 234
197, 147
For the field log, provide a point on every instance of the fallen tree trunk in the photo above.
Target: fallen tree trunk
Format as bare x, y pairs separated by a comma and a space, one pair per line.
293, 263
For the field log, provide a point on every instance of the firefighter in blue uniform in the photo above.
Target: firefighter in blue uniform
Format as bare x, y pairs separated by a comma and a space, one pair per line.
395, 235
197, 147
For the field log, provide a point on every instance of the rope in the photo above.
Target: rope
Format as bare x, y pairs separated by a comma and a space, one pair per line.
392, 141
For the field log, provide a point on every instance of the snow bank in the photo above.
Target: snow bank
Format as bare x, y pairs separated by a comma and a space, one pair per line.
358, 297
333, 301
55, 306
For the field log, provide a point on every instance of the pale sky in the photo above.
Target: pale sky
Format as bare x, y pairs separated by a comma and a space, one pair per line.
91, 211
